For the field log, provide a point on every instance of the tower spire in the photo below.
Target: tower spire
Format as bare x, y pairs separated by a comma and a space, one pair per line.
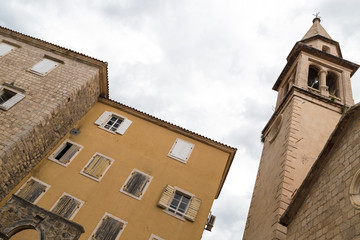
316, 29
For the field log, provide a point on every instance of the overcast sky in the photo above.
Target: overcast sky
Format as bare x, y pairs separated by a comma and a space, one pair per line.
206, 65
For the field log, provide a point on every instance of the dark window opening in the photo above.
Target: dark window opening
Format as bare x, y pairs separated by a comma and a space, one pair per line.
331, 82
313, 78
326, 49
5, 95
62, 152
179, 203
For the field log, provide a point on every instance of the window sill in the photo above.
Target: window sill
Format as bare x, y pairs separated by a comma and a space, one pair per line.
174, 215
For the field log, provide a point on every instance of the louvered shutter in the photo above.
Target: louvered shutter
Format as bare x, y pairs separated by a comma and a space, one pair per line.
108, 230
44, 66
166, 196
97, 166
136, 184
12, 101
103, 118
69, 154
181, 149
5, 48
66, 206
31, 191
193, 209
124, 126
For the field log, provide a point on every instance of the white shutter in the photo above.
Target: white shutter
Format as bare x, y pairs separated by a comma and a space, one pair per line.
124, 126
181, 150
103, 118
12, 101
5, 48
44, 66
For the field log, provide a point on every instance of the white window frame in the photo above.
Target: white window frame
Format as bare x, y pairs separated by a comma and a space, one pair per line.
94, 178
55, 61
114, 217
177, 189
76, 211
10, 48
56, 151
37, 180
179, 140
105, 118
11, 101
149, 179
154, 237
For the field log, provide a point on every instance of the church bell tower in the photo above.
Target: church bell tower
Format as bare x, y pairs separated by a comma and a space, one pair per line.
314, 90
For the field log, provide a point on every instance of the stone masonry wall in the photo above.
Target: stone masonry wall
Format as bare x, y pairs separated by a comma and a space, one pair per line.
327, 212
52, 104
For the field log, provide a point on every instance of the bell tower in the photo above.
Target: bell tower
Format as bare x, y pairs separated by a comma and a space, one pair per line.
314, 90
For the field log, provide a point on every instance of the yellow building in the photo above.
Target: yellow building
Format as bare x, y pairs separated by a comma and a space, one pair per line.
115, 173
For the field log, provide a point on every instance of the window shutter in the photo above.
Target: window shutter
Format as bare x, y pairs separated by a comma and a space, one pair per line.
97, 166
136, 184
193, 209
124, 126
69, 154
5, 48
66, 206
31, 191
103, 118
44, 66
166, 196
108, 230
181, 149
12, 101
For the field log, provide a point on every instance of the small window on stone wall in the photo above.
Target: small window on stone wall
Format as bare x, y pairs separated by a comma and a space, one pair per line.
313, 78
9, 97
5, 48
332, 83
46, 65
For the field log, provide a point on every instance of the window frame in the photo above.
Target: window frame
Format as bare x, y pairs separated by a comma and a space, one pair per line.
105, 118
13, 47
47, 186
114, 217
148, 179
184, 193
69, 195
13, 100
57, 150
106, 169
191, 145
48, 58
154, 237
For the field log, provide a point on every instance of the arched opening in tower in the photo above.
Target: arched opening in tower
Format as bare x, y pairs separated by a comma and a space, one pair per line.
313, 77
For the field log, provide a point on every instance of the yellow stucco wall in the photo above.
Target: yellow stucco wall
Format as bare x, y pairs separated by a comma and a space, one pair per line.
144, 146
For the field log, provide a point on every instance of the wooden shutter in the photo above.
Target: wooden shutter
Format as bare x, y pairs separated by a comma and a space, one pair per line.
12, 101
193, 209
181, 149
5, 48
136, 184
69, 153
66, 206
166, 196
103, 118
124, 126
108, 230
97, 166
31, 191
44, 66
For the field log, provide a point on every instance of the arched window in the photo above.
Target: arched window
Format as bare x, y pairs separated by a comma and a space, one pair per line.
326, 49
332, 83
313, 77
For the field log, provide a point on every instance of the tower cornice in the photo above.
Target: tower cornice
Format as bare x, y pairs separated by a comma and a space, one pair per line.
301, 47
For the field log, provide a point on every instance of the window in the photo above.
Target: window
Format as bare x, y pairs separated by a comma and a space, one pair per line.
44, 66
181, 150
113, 122
65, 153
97, 166
179, 203
67, 206
154, 237
313, 78
33, 190
136, 184
332, 83
5, 48
109, 228
9, 98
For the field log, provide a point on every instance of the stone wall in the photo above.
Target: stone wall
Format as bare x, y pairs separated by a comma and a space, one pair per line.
327, 212
52, 104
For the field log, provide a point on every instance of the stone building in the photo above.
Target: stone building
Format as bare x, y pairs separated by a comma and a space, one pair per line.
307, 175
76, 164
